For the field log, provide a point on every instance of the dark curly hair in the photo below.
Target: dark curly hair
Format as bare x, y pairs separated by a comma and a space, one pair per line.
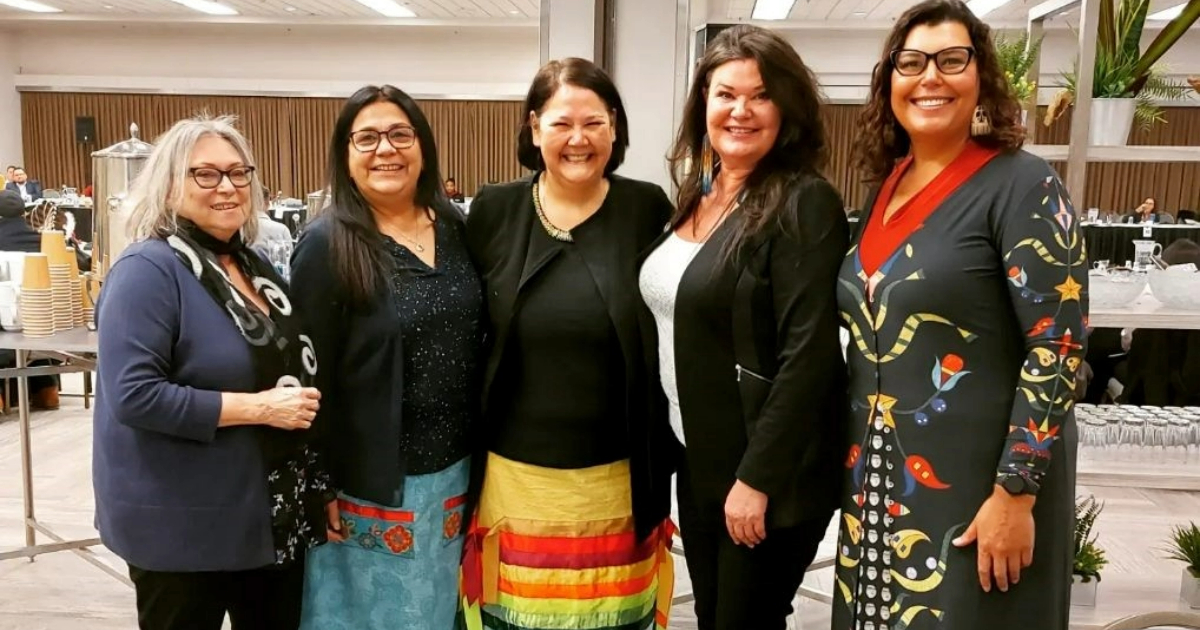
883, 141
800, 148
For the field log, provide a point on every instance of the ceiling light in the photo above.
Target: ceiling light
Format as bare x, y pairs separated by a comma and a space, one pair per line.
859, 14
772, 9
205, 6
1167, 14
30, 5
514, 12
388, 8
983, 7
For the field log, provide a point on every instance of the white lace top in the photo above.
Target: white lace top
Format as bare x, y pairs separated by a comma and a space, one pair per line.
659, 283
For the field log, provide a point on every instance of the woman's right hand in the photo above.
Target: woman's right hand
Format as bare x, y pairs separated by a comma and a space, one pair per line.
289, 408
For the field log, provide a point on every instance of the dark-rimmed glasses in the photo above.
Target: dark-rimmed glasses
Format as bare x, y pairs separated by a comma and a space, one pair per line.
399, 136
953, 60
208, 177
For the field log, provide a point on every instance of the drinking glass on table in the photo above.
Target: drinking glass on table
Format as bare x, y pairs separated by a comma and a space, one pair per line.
280, 254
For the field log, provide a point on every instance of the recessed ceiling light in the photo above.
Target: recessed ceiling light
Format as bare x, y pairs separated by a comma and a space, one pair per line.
859, 14
514, 12
388, 8
205, 6
772, 9
983, 7
1167, 14
30, 5
289, 9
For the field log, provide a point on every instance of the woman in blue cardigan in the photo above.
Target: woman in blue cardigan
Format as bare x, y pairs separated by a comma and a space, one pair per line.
205, 483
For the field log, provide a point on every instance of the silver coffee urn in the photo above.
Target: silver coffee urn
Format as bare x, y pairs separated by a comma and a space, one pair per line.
113, 170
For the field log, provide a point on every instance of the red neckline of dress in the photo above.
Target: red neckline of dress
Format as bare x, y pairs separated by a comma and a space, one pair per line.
881, 240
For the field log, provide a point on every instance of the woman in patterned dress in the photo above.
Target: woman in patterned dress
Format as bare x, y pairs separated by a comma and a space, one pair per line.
965, 295
394, 304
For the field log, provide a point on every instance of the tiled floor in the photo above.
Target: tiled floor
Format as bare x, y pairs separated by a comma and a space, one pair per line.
62, 592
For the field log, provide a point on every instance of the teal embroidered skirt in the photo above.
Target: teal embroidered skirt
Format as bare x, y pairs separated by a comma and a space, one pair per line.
398, 567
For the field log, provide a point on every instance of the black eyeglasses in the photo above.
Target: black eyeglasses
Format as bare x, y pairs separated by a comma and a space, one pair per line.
953, 60
400, 137
208, 177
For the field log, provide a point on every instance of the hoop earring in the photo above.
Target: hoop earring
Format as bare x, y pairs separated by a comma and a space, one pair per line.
708, 165
982, 124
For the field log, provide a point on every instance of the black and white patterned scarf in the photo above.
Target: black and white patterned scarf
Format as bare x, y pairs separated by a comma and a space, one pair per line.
283, 356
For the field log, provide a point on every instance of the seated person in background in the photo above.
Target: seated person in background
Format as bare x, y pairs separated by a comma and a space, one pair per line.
20, 183
1144, 213
269, 230
1164, 365
452, 191
87, 191
17, 236
8, 175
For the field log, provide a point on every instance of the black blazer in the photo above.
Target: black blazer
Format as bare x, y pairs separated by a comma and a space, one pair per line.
498, 230
361, 374
788, 373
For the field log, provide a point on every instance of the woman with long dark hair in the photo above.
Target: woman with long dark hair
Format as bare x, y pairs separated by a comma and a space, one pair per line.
742, 289
966, 296
394, 305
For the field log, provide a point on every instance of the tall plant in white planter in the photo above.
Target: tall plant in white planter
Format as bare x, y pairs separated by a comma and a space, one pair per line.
1089, 557
1185, 547
1126, 82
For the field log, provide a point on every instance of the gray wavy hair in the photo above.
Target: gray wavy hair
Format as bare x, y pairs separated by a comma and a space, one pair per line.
154, 197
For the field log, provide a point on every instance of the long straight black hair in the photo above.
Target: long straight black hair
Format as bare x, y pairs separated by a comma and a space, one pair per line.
359, 258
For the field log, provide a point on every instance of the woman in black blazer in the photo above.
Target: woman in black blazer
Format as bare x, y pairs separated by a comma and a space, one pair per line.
574, 491
742, 290
386, 284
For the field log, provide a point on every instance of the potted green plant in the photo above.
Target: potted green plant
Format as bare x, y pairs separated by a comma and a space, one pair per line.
1016, 56
1185, 547
1089, 557
1127, 82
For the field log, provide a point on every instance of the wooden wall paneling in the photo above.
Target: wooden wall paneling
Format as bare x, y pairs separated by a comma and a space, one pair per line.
477, 143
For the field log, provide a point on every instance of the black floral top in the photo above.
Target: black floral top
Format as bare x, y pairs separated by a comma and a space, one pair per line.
299, 490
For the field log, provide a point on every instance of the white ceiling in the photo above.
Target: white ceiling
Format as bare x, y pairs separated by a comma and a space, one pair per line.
849, 14
431, 11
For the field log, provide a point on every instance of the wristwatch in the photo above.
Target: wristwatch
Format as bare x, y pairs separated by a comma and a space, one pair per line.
1016, 485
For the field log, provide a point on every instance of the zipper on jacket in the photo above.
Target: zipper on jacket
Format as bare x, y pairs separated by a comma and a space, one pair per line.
741, 370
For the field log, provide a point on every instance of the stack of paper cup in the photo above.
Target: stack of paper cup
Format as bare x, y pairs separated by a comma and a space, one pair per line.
63, 291
76, 289
37, 301
88, 284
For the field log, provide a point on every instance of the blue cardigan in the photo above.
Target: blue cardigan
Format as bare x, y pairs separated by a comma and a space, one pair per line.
173, 492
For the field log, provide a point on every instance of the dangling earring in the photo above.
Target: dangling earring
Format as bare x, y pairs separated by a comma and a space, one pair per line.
708, 164
982, 124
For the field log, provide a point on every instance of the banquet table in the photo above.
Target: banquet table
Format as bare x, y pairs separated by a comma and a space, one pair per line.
1114, 242
76, 351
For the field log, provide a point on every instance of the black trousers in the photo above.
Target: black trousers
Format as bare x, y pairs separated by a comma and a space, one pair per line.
258, 599
738, 588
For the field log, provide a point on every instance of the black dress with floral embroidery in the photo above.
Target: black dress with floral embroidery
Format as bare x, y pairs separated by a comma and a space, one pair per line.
965, 343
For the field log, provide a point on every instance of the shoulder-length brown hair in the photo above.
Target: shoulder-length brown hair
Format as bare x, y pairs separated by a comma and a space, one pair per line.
882, 141
800, 148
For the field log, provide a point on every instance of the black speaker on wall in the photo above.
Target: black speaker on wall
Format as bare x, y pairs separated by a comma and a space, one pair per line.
85, 129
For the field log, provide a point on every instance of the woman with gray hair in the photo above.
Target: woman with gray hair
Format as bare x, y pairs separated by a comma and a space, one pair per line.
205, 482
